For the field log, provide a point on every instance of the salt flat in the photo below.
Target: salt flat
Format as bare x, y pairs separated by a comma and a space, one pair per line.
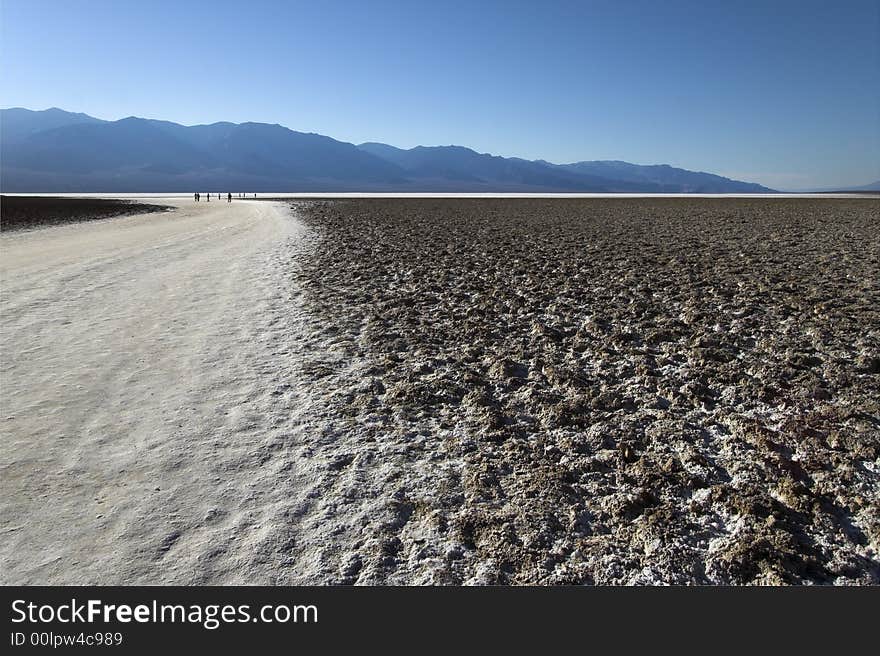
444, 391
141, 390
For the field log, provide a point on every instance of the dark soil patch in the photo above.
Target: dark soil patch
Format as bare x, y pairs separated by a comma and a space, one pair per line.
28, 212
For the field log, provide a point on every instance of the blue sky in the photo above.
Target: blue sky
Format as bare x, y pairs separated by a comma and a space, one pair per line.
782, 93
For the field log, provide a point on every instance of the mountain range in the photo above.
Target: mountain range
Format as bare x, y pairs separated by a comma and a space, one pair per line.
868, 188
59, 151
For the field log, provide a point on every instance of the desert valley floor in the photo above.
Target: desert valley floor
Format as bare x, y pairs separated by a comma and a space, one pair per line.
445, 391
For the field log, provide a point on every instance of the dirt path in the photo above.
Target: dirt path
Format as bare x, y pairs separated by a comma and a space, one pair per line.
147, 387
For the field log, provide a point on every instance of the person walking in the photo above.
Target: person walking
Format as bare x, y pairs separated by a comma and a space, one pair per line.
228, 196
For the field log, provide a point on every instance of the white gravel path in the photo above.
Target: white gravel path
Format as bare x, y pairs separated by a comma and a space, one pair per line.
152, 425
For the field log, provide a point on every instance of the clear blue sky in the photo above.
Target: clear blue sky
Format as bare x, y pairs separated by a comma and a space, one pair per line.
782, 93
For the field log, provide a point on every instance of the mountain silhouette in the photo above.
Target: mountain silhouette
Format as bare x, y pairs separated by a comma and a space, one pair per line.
18, 123
58, 151
463, 168
873, 186
666, 178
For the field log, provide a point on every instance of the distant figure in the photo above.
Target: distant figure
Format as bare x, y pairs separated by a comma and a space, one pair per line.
255, 195
209, 197
228, 197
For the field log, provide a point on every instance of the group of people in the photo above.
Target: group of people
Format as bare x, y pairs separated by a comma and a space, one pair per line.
197, 197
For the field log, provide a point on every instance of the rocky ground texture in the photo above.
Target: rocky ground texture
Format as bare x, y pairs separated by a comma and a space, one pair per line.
608, 391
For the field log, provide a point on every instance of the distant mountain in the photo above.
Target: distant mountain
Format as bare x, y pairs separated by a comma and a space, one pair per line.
139, 155
18, 123
839, 189
463, 168
58, 151
874, 186
668, 178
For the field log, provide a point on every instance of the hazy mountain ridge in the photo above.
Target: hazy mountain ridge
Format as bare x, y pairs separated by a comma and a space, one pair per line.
871, 186
54, 150
664, 175
18, 122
